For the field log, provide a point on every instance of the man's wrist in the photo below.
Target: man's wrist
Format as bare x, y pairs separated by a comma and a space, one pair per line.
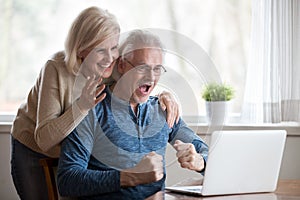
128, 179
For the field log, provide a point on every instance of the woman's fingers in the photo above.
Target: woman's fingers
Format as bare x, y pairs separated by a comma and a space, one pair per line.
168, 103
91, 93
100, 98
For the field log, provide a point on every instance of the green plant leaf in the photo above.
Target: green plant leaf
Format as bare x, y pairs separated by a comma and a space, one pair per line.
217, 92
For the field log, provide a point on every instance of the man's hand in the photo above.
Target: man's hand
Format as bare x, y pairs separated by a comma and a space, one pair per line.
188, 157
148, 170
168, 102
157, 196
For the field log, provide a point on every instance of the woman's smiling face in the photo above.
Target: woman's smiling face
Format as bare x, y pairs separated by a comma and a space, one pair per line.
99, 61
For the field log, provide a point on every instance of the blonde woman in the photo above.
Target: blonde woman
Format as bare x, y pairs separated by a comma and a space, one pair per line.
54, 106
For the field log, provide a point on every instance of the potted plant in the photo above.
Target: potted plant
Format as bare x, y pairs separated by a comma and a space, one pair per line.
217, 97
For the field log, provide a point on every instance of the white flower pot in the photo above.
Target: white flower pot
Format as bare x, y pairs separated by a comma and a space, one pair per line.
217, 112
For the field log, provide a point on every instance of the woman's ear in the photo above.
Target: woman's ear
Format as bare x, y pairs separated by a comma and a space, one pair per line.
83, 54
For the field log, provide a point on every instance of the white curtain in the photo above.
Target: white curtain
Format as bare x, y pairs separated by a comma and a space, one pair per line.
272, 92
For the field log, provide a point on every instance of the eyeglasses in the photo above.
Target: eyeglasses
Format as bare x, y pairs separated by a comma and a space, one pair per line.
143, 69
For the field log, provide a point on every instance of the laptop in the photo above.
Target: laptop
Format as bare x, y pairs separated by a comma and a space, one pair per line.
246, 161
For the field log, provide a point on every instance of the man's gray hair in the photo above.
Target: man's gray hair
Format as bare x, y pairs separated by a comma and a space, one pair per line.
139, 39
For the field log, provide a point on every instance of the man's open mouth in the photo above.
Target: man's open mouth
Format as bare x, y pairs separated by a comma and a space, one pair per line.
144, 88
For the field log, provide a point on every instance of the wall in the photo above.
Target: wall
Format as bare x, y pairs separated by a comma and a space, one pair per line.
290, 165
7, 189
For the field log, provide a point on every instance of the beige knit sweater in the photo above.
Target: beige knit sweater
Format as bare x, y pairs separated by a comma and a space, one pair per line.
51, 111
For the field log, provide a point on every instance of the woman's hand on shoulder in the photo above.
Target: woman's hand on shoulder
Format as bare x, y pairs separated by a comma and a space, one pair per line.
168, 103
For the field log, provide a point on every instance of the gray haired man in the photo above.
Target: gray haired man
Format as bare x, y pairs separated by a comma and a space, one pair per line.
120, 154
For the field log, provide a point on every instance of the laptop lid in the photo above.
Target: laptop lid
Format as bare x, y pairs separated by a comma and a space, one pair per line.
243, 161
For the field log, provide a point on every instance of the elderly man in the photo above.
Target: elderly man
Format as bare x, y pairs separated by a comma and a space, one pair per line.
118, 150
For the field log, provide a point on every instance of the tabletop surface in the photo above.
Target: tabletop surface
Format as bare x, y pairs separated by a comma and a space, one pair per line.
286, 190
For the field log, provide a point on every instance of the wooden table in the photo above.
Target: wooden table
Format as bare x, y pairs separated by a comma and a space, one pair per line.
286, 190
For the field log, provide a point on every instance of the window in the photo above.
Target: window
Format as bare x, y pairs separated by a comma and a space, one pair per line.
33, 31
272, 93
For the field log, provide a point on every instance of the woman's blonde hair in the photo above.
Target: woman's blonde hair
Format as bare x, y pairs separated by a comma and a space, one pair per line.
92, 26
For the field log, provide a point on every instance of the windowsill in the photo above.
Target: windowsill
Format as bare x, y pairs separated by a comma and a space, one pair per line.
198, 124
203, 128
267, 125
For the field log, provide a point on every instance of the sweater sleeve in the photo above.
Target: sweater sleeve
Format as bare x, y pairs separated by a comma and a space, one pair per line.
74, 178
54, 119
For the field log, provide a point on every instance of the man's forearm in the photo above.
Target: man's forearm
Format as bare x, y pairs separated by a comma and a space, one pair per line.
85, 182
131, 179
